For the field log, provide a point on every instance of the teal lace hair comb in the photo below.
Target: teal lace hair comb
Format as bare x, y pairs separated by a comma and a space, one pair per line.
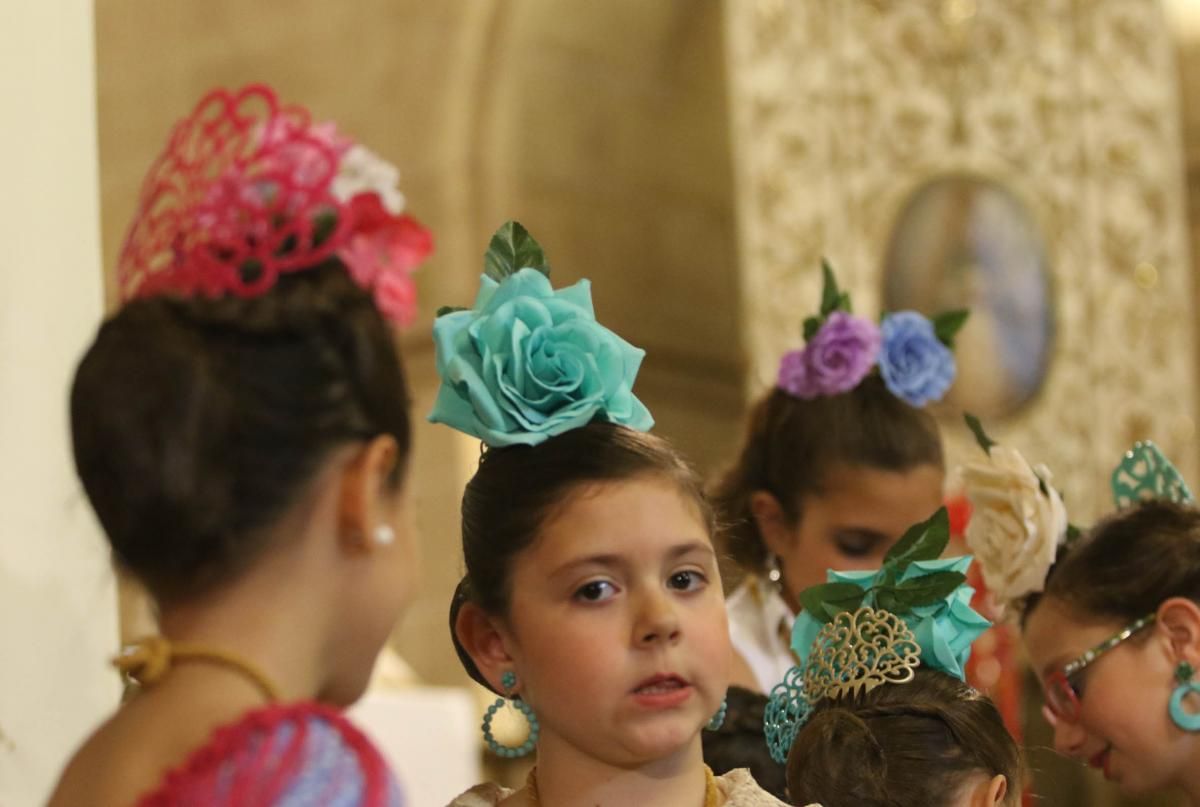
1145, 473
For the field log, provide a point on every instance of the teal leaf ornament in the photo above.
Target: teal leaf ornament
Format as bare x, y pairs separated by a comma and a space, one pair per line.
512, 249
929, 593
1145, 473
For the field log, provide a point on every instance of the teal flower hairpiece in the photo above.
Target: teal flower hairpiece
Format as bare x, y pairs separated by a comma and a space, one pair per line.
914, 587
527, 361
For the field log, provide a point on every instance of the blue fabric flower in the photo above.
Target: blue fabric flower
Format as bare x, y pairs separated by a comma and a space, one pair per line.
944, 630
528, 362
915, 365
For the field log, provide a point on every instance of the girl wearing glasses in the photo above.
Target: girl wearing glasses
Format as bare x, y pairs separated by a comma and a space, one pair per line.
1115, 638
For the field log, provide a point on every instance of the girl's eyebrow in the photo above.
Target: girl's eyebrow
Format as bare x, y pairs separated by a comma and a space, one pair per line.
612, 561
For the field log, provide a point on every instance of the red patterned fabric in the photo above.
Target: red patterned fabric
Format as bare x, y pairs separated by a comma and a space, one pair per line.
284, 756
244, 192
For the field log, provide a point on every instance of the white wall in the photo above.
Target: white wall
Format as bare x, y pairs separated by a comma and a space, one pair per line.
57, 598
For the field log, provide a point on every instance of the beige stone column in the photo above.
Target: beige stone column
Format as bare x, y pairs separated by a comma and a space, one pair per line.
58, 621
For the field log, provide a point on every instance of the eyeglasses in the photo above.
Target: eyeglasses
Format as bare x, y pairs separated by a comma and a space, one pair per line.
1064, 687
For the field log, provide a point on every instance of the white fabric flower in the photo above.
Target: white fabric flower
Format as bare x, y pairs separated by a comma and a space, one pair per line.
1016, 527
363, 171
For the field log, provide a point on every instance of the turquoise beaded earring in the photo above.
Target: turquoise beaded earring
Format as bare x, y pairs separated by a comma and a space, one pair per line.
717, 720
1188, 721
509, 681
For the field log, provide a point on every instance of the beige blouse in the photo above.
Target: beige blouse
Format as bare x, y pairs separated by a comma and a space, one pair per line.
738, 788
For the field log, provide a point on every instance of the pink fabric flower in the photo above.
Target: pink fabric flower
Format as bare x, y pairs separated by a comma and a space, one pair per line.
381, 253
834, 361
396, 297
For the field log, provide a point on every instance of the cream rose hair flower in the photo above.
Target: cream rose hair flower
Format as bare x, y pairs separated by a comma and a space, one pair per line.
1018, 520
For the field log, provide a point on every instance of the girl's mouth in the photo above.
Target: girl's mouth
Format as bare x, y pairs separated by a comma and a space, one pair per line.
662, 691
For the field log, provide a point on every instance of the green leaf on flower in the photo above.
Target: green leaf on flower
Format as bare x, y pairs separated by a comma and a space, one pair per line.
928, 589
924, 541
981, 437
886, 599
827, 600
811, 326
448, 309
843, 303
947, 324
831, 296
511, 249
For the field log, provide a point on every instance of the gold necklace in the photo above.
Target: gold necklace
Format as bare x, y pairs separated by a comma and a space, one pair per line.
147, 660
712, 794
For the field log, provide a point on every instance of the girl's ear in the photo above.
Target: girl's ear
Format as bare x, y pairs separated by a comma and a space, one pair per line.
772, 522
484, 639
1178, 619
990, 792
363, 482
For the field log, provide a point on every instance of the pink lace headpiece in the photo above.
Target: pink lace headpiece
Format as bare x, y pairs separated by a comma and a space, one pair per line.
248, 189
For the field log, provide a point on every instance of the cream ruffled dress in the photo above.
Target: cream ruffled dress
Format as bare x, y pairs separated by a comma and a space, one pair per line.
738, 788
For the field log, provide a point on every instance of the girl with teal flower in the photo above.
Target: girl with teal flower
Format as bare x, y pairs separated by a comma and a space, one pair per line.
877, 712
591, 601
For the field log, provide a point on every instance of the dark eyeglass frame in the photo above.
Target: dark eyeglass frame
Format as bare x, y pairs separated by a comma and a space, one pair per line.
1063, 687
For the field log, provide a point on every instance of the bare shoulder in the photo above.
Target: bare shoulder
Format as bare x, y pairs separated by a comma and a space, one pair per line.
130, 753
111, 767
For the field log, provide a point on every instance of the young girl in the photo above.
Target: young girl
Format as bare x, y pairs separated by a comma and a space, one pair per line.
241, 428
837, 461
879, 710
591, 597
1115, 639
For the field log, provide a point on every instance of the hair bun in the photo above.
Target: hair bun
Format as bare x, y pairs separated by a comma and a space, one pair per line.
836, 760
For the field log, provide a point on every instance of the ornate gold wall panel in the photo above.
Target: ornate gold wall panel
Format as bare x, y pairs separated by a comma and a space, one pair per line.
841, 108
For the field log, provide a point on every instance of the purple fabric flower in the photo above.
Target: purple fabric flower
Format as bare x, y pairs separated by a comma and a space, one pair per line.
834, 361
915, 365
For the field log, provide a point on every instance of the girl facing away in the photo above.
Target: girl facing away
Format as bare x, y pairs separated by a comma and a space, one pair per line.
591, 600
877, 712
241, 429
839, 458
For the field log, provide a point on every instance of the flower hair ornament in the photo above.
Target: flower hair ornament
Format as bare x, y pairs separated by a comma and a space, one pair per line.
1145, 473
248, 189
861, 630
1018, 521
527, 361
911, 352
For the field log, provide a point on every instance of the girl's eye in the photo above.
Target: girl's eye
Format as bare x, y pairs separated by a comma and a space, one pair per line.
855, 546
596, 591
686, 581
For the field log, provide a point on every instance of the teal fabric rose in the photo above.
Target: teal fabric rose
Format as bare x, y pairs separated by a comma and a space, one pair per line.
945, 630
528, 362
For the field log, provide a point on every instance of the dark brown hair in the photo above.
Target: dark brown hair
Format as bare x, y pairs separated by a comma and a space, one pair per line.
791, 444
902, 745
516, 488
198, 422
1158, 539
